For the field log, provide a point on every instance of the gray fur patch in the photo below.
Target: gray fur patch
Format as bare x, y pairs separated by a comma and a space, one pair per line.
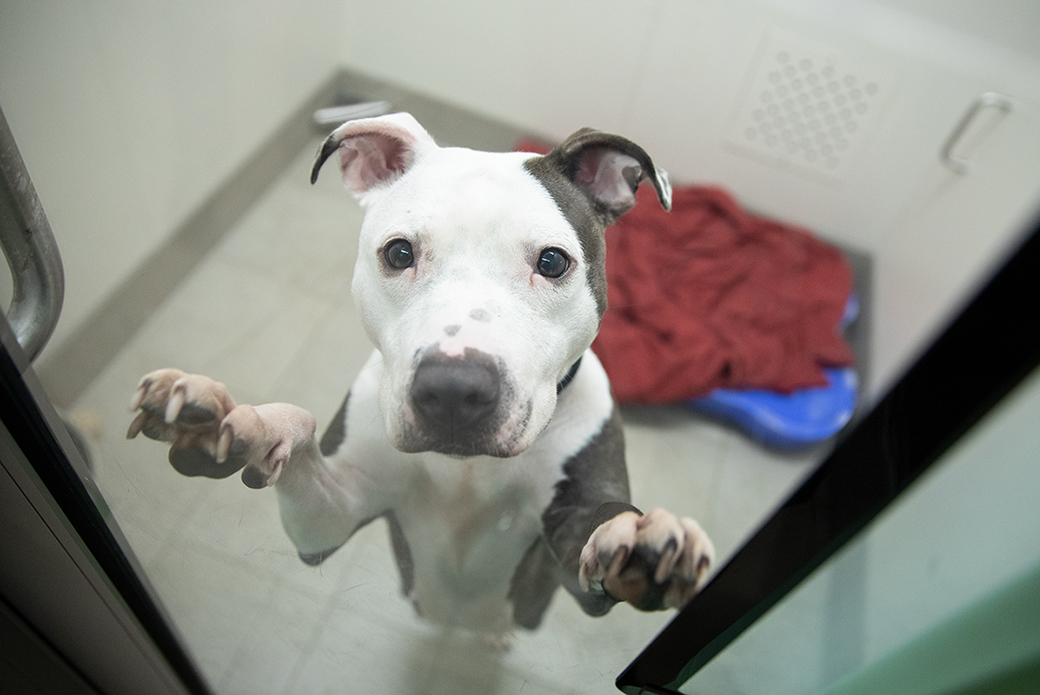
579, 213
402, 553
590, 215
336, 432
594, 489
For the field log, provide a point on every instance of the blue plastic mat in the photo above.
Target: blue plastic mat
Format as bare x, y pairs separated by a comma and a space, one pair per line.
789, 421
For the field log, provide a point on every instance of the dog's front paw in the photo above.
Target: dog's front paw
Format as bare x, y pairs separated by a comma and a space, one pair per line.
180, 408
653, 561
210, 435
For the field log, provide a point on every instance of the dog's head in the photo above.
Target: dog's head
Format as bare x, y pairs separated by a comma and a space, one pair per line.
480, 277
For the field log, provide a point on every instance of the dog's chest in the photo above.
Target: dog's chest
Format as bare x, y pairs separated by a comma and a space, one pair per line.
468, 525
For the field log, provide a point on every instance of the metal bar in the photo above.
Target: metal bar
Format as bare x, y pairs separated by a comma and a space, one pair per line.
962, 165
32, 254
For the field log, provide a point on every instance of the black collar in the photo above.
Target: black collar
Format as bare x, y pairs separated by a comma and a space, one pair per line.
568, 377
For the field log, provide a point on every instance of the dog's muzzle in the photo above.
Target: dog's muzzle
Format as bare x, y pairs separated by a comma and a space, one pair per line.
456, 402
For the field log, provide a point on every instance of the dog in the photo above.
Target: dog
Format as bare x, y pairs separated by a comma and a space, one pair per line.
482, 428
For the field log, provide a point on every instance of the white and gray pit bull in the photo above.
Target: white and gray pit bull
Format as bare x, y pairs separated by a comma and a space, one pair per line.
482, 428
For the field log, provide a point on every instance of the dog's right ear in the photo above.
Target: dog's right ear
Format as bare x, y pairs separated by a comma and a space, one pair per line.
374, 152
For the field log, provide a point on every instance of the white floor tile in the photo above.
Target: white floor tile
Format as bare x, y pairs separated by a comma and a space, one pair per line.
214, 600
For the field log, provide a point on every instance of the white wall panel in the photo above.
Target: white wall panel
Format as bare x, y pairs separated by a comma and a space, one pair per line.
678, 76
129, 114
546, 65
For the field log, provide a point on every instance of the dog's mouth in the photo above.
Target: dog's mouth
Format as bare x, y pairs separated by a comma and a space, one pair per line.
459, 445
504, 441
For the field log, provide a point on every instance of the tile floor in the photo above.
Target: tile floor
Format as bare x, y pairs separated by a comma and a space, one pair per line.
269, 313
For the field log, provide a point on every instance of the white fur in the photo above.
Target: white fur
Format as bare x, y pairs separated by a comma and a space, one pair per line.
477, 223
468, 522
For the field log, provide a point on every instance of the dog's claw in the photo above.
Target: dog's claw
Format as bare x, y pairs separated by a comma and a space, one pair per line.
224, 443
618, 561
589, 566
139, 395
275, 473
668, 558
174, 405
703, 564
137, 425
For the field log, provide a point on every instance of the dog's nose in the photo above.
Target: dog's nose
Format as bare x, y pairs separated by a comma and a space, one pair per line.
457, 394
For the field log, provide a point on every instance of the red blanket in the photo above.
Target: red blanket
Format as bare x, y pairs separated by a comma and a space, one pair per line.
709, 296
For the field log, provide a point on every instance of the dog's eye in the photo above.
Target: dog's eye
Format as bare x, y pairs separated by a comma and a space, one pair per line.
399, 255
552, 263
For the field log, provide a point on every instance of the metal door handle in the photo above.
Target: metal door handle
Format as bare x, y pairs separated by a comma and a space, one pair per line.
32, 254
962, 165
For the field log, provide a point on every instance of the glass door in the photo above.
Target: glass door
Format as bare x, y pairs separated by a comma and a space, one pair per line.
179, 193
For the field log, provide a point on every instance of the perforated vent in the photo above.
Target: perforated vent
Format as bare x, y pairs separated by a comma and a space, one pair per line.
807, 106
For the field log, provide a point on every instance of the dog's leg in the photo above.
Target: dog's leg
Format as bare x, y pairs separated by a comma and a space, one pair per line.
594, 490
272, 444
608, 550
536, 580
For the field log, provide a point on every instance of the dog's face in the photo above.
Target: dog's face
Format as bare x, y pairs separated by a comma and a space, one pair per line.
480, 277
473, 287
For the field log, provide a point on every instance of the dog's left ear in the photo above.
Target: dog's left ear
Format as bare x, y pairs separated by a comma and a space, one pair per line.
607, 169
374, 152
